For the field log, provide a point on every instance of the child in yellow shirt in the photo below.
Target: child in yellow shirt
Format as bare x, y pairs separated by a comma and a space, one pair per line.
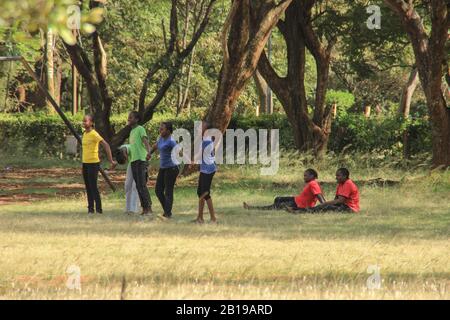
91, 162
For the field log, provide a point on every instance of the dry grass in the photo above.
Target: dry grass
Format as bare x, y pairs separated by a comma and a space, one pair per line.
249, 255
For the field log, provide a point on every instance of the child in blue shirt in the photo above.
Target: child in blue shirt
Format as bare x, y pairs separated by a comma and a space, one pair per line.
207, 170
168, 168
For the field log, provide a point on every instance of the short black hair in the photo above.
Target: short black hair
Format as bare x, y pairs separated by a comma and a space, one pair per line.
90, 116
312, 172
120, 156
345, 172
136, 115
168, 125
207, 124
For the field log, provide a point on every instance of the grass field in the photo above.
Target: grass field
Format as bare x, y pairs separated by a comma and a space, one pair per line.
403, 229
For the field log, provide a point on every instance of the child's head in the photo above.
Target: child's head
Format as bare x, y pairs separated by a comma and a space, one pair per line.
205, 126
310, 174
88, 121
120, 156
165, 129
342, 175
134, 118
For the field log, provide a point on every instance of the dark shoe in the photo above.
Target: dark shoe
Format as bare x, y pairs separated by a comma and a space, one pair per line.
168, 216
100, 211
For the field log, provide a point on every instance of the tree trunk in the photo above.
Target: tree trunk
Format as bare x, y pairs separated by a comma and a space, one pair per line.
309, 134
430, 56
407, 93
245, 33
405, 106
50, 67
261, 89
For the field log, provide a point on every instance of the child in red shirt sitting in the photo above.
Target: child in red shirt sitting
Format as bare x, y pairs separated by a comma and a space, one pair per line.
306, 199
347, 195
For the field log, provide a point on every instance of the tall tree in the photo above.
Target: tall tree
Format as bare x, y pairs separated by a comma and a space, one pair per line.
245, 33
431, 57
310, 132
95, 74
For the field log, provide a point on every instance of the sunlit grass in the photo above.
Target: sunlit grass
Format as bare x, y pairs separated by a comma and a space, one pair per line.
404, 229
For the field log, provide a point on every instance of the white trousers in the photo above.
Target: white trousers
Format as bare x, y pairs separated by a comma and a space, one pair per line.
131, 194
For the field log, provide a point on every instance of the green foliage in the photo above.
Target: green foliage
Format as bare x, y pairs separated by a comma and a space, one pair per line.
344, 100
44, 134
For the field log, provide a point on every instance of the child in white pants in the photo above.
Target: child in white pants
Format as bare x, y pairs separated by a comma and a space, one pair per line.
131, 194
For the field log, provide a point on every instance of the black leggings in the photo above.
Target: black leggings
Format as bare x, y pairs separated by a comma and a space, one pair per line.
279, 203
330, 207
204, 185
90, 176
165, 183
139, 169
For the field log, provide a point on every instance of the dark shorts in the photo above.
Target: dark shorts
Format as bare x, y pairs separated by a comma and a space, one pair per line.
204, 185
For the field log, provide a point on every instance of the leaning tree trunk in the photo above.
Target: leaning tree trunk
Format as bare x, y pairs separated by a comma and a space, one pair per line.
430, 56
245, 33
405, 106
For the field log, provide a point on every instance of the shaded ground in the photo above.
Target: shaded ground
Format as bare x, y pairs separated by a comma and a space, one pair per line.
18, 185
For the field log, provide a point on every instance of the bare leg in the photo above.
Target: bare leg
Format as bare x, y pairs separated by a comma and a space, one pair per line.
201, 206
211, 210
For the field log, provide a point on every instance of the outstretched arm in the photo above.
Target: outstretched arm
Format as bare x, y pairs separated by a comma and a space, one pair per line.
321, 198
337, 200
147, 146
107, 148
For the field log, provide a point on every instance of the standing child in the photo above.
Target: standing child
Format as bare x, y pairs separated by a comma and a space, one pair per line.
168, 168
91, 163
131, 195
207, 170
140, 154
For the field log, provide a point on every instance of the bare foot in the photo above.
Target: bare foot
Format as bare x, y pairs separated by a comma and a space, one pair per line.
199, 221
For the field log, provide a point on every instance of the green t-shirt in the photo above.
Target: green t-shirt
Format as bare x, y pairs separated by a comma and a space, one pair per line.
137, 148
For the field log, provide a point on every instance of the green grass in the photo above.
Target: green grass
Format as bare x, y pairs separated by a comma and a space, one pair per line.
403, 229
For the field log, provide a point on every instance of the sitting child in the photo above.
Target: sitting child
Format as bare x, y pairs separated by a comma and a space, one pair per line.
347, 195
306, 199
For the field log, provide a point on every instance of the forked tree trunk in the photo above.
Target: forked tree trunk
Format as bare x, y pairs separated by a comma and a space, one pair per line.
296, 29
245, 33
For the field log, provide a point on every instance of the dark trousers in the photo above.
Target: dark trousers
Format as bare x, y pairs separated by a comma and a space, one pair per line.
279, 203
90, 176
204, 185
165, 183
330, 207
139, 169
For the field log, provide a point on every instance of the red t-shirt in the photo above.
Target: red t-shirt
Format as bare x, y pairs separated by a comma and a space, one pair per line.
350, 192
308, 197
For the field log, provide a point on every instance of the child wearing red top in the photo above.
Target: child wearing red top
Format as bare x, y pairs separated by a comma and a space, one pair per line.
306, 199
347, 195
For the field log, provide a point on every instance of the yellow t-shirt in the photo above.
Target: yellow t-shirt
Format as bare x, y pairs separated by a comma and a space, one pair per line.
91, 140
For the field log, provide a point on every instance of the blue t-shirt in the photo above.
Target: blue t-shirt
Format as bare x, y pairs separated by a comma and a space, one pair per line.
165, 147
208, 164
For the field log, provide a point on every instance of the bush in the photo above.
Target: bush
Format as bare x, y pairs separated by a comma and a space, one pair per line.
43, 134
